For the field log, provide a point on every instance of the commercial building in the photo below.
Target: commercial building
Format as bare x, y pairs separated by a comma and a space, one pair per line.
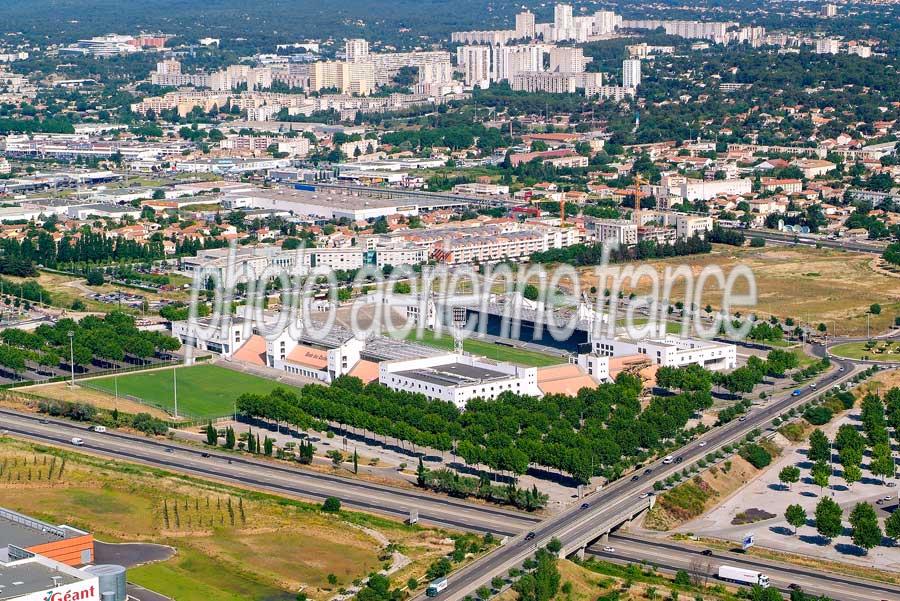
39, 562
669, 351
458, 378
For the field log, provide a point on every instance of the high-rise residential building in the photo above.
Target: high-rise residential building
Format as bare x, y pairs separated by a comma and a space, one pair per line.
606, 22
567, 59
475, 63
507, 61
829, 10
525, 24
827, 46
349, 78
168, 67
631, 73
356, 50
563, 22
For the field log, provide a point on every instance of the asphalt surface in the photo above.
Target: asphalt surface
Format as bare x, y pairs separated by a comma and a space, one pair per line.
813, 240
577, 525
671, 557
270, 476
574, 527
130, 554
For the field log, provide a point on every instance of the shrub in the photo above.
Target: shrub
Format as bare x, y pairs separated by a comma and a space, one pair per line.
331, 505
818, 416
757, 456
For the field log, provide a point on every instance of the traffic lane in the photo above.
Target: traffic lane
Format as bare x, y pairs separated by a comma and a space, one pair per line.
671, 560
501, 559
394, 502
787, 571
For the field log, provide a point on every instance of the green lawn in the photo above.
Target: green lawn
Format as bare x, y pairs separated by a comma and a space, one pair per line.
487, 349
203, 390
882, 351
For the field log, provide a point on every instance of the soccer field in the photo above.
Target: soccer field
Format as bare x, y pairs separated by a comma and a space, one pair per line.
203, 390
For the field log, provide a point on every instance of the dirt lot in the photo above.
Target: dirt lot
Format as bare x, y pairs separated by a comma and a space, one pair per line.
62, 392
808, 284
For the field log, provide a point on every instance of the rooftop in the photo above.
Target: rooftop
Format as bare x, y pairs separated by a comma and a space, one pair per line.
31, 577
24, 532
454, 374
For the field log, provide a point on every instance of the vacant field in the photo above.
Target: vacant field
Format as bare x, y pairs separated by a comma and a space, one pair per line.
882, 351
63, 392
488, 349
810, 285
231, 544
203, 390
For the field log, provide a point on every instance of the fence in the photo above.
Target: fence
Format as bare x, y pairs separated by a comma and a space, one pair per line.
97, 374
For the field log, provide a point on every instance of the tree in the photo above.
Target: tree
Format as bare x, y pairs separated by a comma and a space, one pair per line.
268, 446
882, 463
682, 578
95, 278
819, 447
820, 472
420, 474
875, 309
331, 505
230, 438
892, 525
355, 462
795, 516
789, 474
828, 518
866, 531
212, 437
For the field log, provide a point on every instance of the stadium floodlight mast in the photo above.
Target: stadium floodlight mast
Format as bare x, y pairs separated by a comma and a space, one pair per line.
72, 357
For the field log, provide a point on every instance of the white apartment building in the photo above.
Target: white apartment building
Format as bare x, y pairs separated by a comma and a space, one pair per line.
475, 63
458, 378
606, 22
525, 25
563, 23
222, 337
567, 59
631, 73
349, 78
508, 61
670, 351
693, 30
688, 226
356, 50
540, 81
827, 46
619, 232
617, 93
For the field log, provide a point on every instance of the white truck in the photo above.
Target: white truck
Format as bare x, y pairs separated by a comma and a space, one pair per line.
743, 576
434, 589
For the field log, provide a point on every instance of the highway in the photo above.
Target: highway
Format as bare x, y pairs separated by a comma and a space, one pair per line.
269, 476
671, 556
813, 239
576, 526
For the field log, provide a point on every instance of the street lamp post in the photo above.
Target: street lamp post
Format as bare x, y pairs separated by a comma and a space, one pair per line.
72, 357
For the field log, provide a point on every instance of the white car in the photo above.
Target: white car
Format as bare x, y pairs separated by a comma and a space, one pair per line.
702, 443
608, 549
77, 441
669, 459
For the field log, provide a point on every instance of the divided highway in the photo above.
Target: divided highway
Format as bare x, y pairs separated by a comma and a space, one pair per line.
574, 527
671, 557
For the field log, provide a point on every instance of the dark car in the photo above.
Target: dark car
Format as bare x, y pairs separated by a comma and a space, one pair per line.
635, 478
45, 421
679, 459
585, 505
706, 552
529, 536
647, 472
795, 587
205, 455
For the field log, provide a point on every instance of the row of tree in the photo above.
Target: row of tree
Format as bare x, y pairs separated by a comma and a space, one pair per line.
598, 431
